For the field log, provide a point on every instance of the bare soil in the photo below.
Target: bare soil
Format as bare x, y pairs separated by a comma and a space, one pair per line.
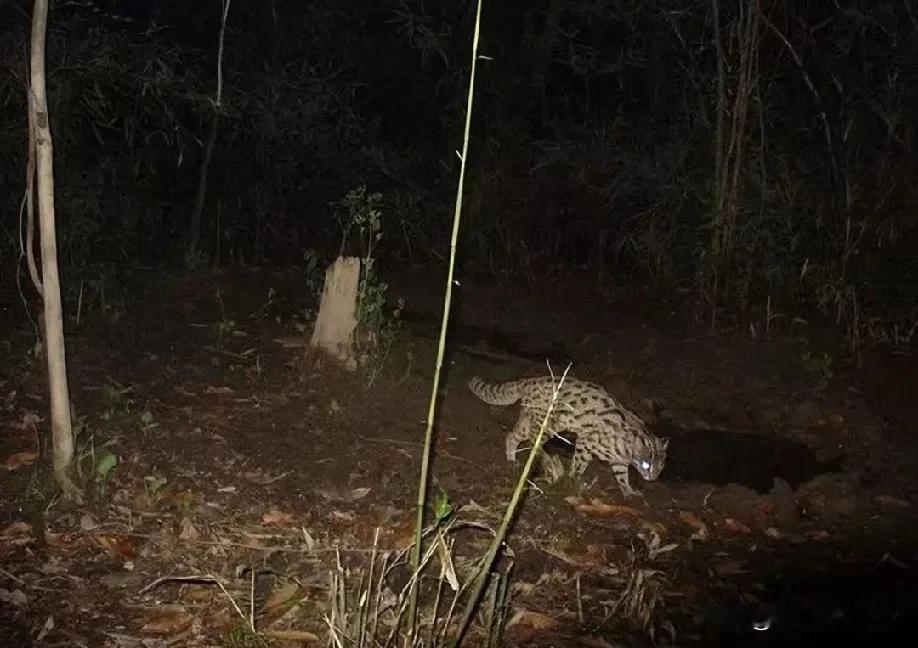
788, 497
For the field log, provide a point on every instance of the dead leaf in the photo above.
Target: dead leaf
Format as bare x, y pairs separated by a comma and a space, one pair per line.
836, 420
447, 569
653, 542
262, 479
179, 389
772, 532
252, 541
291, 635
335, 495
889, 559
403, 535
276, 516
291, 342
197, 593
654, 527
182, 500
692, 520
308, 539
892, 500
16, 534
189, 531
598, 508
735, 526
119, 546
534, 621
223, 617
588, 558
19, 459
219, 390
166, 620
45, 629
16, 598
281, 595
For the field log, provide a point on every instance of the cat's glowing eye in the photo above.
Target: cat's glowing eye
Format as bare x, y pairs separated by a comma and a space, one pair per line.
645, 465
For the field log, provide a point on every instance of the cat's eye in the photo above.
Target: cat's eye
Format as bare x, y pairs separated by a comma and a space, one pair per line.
645, 465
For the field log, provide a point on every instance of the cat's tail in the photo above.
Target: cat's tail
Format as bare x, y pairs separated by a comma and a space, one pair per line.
496, 393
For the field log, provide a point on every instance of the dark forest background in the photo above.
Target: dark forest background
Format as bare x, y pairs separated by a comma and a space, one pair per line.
751, 156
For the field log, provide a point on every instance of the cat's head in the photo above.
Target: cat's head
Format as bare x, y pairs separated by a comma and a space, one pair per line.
651, 458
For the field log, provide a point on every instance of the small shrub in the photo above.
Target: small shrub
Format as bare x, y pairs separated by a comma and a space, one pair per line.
360, 215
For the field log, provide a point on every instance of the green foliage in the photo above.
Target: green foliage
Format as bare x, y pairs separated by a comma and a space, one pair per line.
152, 485
105, 462
442, 506
360, 214
115, 399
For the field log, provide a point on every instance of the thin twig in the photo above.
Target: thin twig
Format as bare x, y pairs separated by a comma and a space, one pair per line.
509, 515
200, 578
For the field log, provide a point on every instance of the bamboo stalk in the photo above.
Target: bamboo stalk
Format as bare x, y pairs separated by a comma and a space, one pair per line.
435, 387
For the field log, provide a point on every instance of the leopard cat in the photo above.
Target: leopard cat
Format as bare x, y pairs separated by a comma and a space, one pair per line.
605, 429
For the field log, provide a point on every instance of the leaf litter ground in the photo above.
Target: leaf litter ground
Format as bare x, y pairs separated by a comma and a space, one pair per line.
249, 470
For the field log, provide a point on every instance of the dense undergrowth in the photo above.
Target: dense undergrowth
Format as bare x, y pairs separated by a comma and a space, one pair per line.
596, 145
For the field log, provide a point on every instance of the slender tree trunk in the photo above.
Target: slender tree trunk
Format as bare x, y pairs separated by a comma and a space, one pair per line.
29, 204
194, 226
61, 430
194, 230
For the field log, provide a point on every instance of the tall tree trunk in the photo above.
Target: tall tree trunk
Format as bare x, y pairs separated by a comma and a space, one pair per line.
61, 430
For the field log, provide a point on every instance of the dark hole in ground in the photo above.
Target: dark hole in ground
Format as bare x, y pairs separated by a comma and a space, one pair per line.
720, 458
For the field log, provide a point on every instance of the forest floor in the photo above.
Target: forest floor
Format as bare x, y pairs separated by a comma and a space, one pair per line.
789, 492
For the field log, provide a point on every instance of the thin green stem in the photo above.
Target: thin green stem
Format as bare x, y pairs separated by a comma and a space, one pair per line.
432, 407
472, 604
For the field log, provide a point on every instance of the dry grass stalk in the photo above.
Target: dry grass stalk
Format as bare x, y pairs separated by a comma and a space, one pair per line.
640, 598
368, 614
742, 55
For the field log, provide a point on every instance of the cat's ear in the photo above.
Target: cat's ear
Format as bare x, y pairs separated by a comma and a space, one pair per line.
665, 443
